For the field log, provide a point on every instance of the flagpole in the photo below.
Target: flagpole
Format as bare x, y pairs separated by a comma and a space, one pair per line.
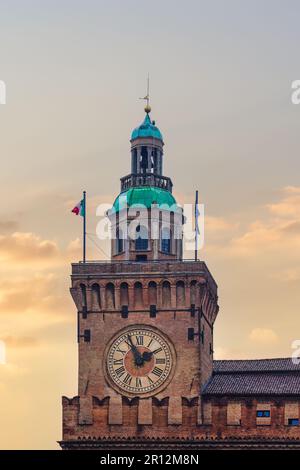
196, 226
84, 224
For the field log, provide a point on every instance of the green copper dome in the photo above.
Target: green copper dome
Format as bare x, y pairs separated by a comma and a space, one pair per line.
145, 197
146, 129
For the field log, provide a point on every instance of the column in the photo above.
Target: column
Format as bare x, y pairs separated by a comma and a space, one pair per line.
175, 410
138, 163
149, 159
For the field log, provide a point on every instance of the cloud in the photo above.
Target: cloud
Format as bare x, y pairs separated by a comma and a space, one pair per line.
221, 353
292, 190
219, 224
12, 370
289, 204
74, 249
26, 248
263, 336
276, 231
287, 275
263, 237
292, 228
38, 294
260, 236
8, 226
19, 342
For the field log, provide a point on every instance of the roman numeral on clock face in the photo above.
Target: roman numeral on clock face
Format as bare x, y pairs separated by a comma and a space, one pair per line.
120, 371
119, 362
138, 382
150, 380
157, 371
150, 342
160, 360
127, 379
140, 340
156, 351
121, 351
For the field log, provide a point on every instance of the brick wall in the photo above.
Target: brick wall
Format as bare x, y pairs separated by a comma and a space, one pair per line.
225, 415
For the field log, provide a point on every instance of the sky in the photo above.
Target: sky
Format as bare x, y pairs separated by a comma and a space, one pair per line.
220, 85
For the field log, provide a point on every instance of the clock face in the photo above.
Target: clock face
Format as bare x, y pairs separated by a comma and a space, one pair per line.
139, 360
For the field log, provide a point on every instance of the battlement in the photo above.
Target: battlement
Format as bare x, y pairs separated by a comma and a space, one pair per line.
151, 418
99, 269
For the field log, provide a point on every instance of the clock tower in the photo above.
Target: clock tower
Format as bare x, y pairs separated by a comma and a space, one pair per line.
145, 320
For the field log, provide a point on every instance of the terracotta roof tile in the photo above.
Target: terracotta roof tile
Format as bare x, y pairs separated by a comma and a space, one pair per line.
254, 377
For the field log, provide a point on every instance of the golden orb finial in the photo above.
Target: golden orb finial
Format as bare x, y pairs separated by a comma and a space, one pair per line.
147, 108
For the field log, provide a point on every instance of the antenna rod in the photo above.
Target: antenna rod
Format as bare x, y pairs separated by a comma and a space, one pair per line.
196, 226
148, 90
84, 225
147, 97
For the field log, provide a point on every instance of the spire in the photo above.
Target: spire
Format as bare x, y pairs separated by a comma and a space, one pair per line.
147, 98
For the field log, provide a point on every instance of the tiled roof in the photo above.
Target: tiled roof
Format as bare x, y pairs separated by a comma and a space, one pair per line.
256, 365
254, 377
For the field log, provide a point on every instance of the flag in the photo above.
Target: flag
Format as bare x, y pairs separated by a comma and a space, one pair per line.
79, 209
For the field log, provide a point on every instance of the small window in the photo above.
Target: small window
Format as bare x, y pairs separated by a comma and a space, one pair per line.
166, 240
141, 241
120, 244
134, 161
141, 258
293, 422
263, 413
144, 160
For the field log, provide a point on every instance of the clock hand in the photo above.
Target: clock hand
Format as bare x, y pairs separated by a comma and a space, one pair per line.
137, 356
147, 355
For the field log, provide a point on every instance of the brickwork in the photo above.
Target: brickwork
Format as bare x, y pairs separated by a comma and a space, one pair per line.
177, 411
188, 429
99, 291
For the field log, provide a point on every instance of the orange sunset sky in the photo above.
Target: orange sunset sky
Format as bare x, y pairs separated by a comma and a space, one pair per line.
221, 75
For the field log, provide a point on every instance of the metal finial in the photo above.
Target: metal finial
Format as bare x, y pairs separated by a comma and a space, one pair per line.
147, 98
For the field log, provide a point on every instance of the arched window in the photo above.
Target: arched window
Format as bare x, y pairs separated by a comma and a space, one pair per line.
144, 160
124, 293
96, 302
120, 241
166, 294
193, 288
141, 240
134, 161
138, 294
152, 293
180, 294
166, 240
154, 161
159, 163
83, 295
110, 296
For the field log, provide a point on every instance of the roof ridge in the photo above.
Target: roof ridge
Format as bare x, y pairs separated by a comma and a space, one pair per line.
249, 360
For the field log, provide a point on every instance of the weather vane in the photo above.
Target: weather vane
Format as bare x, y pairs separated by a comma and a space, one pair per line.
147, 97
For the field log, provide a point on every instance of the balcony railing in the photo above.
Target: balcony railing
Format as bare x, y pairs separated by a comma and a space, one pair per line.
148, 179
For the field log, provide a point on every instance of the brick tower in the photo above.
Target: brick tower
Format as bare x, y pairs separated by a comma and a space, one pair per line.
145, 320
